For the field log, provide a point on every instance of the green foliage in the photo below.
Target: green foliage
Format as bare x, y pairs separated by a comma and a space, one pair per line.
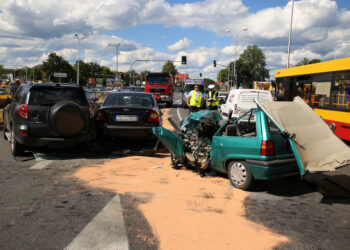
56, 64
251, 66
87, 70
37, 73
306, 61
143, 74
169, 67
2, 72
207, 82
222, 75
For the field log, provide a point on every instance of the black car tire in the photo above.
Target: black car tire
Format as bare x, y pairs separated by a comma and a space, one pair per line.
67, 118
240, 175
16, 148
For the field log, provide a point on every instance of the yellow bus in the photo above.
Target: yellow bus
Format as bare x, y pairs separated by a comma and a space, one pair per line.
325, 86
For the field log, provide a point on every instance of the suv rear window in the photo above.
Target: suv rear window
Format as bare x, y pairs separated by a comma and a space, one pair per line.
51, 95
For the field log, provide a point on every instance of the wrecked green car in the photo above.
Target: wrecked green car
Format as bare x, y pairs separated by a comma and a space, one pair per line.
287, 138
246, 151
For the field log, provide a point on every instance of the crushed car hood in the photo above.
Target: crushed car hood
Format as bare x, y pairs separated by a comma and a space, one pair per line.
318, 148
193, 119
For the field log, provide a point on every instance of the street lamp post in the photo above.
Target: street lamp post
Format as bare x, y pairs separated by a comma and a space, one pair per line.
79, 38
116, 45
234, 63
290, 33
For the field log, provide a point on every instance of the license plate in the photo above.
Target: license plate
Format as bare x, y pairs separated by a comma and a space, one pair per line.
126, 118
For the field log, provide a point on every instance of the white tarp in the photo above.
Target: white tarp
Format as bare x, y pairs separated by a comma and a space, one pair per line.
318, 147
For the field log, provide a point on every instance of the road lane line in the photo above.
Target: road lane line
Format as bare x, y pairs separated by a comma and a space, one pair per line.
41, 165
105, 231
178, 114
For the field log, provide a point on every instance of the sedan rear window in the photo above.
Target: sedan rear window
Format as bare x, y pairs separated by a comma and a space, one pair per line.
52, 95
129, 99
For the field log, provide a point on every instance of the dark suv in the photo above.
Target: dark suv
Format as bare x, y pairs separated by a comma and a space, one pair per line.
48, 115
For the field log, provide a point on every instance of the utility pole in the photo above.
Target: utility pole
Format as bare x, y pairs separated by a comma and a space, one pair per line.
290, 33
116, 45
79, 38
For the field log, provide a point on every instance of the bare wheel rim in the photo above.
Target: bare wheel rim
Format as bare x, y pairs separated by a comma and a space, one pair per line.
238, 173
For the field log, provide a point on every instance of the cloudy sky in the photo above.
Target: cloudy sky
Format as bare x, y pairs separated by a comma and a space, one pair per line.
167, 29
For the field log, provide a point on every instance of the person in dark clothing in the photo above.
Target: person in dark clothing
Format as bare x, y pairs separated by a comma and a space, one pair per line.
15, 86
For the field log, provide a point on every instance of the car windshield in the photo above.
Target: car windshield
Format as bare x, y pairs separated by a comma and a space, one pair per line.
2, 91
51, 95
190, 87
129, 99
158, 79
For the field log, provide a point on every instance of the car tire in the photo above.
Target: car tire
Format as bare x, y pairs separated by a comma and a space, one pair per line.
240, 175
16, 148
65, 111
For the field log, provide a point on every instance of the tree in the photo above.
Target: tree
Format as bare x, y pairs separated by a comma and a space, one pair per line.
2, 72
251, 66
144, 74
306, 61
170, 68
37, 73
222, 75
207, 82
56, 64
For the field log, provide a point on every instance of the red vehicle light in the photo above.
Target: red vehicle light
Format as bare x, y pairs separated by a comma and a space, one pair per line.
101, 116
267, 148
23, 111
153, 116
23, 132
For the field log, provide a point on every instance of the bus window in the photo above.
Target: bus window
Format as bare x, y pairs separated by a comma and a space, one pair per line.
340, 92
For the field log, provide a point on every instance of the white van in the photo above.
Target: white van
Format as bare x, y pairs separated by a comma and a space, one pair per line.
241, 100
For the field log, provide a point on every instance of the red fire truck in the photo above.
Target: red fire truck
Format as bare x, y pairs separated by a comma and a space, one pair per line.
161, 86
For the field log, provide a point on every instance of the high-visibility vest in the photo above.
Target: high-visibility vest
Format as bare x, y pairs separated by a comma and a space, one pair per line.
196, 101
214, 103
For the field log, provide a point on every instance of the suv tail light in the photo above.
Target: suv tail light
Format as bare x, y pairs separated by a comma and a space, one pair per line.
153, 116
101, 116
23, 111
267, 148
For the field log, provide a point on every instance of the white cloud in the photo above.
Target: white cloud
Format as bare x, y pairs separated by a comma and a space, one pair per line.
30, 29
182, 44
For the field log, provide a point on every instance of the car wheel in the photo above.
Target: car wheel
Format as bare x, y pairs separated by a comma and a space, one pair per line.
240, 175
16, 148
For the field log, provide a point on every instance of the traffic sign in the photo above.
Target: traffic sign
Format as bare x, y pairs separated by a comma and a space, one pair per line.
116, 78
61, 75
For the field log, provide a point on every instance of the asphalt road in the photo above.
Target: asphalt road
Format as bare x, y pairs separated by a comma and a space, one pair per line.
43, 207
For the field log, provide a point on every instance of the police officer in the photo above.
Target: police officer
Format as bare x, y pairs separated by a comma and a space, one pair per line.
194, 100
213, 100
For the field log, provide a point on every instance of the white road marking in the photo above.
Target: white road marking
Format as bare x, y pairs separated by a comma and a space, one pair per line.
178, 114
106, 231
41, 165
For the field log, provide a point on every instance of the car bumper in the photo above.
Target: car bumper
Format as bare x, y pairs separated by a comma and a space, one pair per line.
273, 169
30, 141
126, 131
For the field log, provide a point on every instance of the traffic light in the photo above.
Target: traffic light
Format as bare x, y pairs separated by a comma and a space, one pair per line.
183, 60
214, 62
122, 77
200, 74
